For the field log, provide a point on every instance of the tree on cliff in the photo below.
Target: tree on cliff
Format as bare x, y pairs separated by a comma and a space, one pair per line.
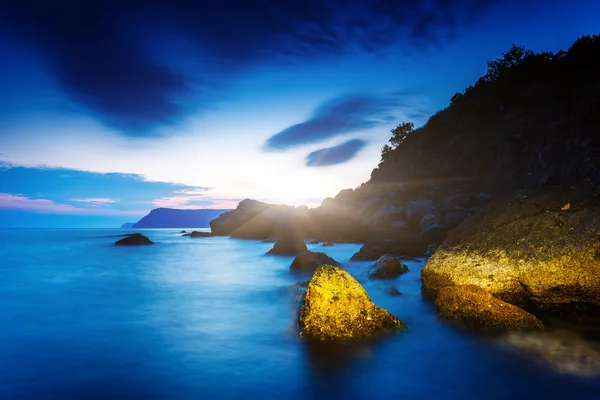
399, 134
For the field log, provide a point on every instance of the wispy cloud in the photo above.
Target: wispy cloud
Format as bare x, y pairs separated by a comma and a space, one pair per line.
335, 155
193, 199
96, 201
23, 203
340, 116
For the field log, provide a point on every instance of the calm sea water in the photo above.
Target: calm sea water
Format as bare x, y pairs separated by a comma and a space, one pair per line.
214, 318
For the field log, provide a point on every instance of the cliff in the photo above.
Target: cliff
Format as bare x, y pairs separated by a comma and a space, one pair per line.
172, 218
532, 120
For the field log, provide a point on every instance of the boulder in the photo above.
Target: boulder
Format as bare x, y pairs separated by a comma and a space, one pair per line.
309, 261
411, 246
428, 221
538, 249
337, 308
256, 220
460, 201
133, 239
388, 266
416, 210
453, 218
183, 232
470, 306
288, 246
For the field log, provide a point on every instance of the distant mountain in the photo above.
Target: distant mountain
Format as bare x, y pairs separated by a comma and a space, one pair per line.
127, 225
173, 218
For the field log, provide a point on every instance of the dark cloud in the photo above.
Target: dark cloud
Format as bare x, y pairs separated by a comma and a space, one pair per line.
346, 114
335, 155
105, 53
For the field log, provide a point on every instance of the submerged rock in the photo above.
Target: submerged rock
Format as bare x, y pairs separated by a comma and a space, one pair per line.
135, 239
309, 261
288, 246
388, 266
327, 244
337, 308
472, 307
392, 291
563, 351
196, 234
528, 250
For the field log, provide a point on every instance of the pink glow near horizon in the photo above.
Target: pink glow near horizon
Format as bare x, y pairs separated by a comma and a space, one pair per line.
22, 203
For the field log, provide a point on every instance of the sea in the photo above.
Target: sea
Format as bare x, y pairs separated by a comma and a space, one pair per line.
215, 318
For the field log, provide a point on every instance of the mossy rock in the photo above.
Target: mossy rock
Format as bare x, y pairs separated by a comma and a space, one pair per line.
472, 307
537, 249
337, 308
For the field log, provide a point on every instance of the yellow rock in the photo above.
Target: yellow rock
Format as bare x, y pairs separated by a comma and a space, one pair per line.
337, 308
472, 307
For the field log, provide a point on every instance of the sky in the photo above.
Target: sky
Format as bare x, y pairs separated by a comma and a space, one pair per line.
110, 109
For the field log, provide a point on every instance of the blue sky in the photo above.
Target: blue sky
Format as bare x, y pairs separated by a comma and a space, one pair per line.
108, 110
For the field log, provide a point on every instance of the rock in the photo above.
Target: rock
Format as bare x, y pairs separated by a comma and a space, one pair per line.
431, 249
460, 201
337, 308
453, 218
388, 266
563, 351
135, 239
327, 244
309, 261
473, 307
313, 241
372, 250
428, 221
416, 210
256, 220
270, 240
288, 246
392, 291
196, 234
528, 252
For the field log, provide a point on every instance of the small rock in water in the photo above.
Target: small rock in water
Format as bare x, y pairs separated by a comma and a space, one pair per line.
197, 234
327, 244
309, 261
387, 267
392, 291
288, 246
134, 239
